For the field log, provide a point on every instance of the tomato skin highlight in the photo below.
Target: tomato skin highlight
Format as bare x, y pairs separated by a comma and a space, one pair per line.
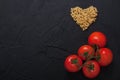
73, 63
85, 49
92, 72
97, 38
106, 56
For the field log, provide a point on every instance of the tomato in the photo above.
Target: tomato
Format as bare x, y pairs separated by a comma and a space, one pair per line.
85, 51
73, 63
91, 69
104, 56
97, 38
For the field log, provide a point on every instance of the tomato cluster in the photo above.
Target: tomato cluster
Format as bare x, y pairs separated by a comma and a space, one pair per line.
90, 57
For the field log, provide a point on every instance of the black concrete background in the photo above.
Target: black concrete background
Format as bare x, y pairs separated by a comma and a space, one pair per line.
37, 35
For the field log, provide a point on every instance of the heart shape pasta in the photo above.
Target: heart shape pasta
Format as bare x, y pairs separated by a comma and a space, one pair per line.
84, 17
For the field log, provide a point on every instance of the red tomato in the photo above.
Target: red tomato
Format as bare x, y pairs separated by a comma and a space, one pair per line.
91, 69
73, 63
85, 51
104, 56
97, 38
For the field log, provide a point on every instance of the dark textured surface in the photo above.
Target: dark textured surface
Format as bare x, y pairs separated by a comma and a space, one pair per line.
37, 35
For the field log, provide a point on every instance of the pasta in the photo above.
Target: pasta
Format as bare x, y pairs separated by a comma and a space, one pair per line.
84, 17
